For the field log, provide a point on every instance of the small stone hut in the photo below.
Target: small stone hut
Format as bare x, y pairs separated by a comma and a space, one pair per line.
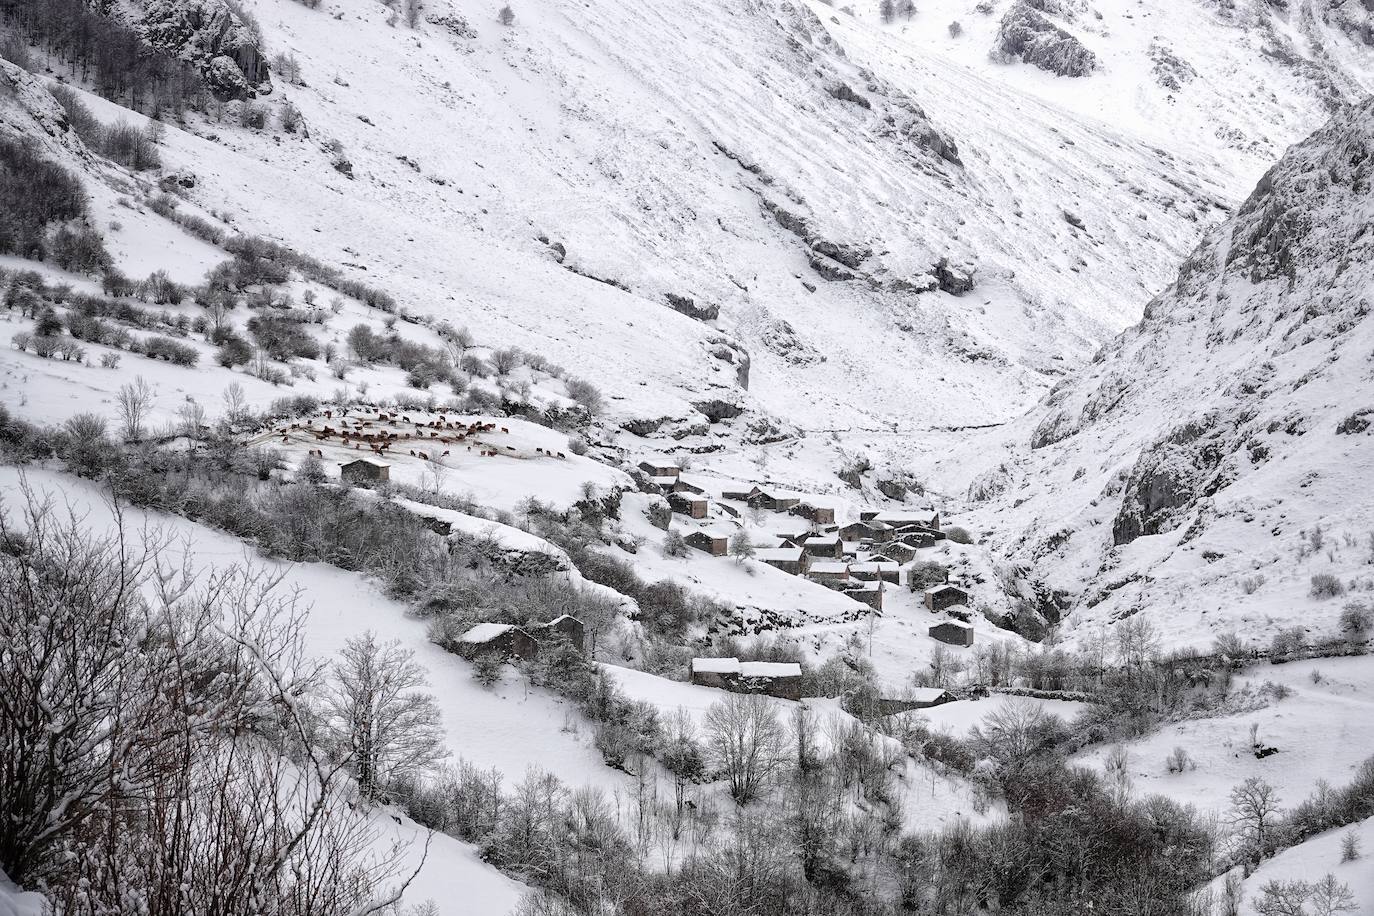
566, 626
945, 596
712, 542
774, 679
953, 632
504, 639
364, 471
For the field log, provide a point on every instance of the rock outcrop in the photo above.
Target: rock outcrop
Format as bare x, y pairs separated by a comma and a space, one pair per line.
1028, 35
209, 35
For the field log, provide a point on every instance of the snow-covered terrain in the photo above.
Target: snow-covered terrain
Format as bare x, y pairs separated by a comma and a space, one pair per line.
863, 264
1208, 464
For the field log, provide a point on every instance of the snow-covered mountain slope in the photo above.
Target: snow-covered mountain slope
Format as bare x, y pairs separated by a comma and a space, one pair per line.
1233, 82
1211, 461
696, 149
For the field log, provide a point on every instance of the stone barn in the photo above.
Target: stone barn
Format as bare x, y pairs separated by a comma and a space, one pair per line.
869, 593
687, 504
904, 518
504, 639
659, 469
717, 545
566, 626
789, 559
879, 532
944, 596
916, 698
873, 570
828, 571
774, 679
364, 471
830, 546
953, 633
821, 515
766, 500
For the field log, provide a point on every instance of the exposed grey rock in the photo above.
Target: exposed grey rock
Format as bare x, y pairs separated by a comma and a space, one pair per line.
792, 222
829, 269
844, 93
782, 339
707, 311
559, 252
717, 409
1170, 71
851, 256
209, 35
1026, 34
1167, 480
644, 426
955, 279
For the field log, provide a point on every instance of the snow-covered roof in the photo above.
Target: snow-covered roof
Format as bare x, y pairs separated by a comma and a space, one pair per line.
959, 624
945, 588
865, 587
906, 516
368, 461
770, 669
485, 632
663, 481
745, 669
786, 554
829, 566
928, 694
875, 566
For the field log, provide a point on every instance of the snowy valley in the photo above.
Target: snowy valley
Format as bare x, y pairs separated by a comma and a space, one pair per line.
758, 457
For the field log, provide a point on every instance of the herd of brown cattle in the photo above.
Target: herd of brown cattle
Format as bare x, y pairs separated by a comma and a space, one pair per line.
440, 431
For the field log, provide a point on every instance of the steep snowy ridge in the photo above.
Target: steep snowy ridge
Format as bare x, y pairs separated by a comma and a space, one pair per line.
1212, 459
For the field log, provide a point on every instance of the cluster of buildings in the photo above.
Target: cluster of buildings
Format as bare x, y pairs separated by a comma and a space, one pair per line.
863, 559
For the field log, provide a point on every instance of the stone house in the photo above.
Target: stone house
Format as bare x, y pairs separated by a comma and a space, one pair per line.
789, 559
945, 596
656, 468
909, 518
953, 632
774, 679
766, 500
821, 515
873, 530
830, 546
897, 552
364, 471
566, 626
504, 639
873, 570
828, 571
688, 505
741, 495
714, 543
869, 593
916, 698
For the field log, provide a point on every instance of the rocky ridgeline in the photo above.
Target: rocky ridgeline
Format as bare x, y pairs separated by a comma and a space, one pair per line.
1243, 376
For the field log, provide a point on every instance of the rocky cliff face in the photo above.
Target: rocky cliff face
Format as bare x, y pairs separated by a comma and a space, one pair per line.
209, 34
1209, 443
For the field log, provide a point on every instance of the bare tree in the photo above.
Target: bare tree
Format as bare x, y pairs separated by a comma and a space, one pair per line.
1254, 804
149, 735
506, 15
134, 402
235, 405
385, 726
746, 743
1330, 897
